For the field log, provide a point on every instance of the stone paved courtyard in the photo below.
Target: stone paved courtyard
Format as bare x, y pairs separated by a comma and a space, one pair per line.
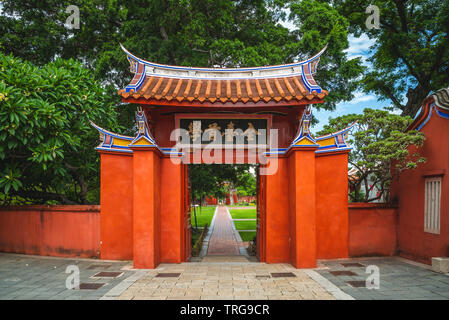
218, 278
399, 279
32, 277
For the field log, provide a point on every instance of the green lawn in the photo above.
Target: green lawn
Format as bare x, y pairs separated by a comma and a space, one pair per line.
247, 236
203, 215
242, 205
243, 213
245, 225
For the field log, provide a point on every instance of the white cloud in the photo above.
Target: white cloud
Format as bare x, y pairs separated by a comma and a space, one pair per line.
359, 45
361, 97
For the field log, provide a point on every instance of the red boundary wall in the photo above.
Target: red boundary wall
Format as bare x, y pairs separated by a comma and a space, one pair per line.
62, 231
372, 229
74, 231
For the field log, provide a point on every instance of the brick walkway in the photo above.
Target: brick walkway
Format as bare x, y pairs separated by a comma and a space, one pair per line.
222, 241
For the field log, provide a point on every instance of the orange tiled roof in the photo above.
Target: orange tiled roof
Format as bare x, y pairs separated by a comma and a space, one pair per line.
156, 82
255, 90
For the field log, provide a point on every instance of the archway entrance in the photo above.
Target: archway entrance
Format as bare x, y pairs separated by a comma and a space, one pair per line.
223, 116
226, 210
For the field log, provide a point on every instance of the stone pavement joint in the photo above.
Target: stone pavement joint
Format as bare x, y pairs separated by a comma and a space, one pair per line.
329, 286
217, 278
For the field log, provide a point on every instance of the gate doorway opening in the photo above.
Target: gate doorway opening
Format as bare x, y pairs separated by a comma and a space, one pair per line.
224, 211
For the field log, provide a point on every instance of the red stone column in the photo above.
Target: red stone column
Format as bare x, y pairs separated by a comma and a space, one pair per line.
172, 220
146, 204
301, 167
332, 219
116, 206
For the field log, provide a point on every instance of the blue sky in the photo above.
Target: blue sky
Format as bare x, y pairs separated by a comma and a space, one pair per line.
358, 47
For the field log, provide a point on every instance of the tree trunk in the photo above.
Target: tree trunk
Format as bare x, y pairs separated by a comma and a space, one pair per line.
415, 98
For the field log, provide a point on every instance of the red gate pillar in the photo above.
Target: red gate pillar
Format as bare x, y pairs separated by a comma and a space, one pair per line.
146, 225
116, 206
301, 167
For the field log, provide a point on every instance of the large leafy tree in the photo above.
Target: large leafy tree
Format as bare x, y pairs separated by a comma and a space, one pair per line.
379, 139
319, 24
46, 141
411, 49
247, 185
222, 33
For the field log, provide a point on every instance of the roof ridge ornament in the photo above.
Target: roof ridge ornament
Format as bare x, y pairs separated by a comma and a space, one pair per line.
292, 83
435, 103
143, 138
441, 98
304, 137
282, 70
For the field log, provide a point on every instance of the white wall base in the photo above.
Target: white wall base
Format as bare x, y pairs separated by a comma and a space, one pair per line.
440, 265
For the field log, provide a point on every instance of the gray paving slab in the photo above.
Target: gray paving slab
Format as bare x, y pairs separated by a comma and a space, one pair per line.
399, 279
34, 277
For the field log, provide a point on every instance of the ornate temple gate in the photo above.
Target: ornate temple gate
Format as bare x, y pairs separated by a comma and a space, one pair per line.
233, 115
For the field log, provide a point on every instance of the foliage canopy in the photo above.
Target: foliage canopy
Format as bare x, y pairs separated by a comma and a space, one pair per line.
46, 141
217, 180
202, 33
379, 139
411, 48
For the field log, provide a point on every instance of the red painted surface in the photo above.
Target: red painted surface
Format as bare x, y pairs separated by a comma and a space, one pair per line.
332, 206
202, 105
228, 199
234, 197
409, 190
146, 208
372, 230
61, 231
171, 212
261, 215
302, 196
211, 201
303, 212
116, 204
277, 215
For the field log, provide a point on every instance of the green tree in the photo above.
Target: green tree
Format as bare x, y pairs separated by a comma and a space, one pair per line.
247, 185
46, 141
221, 33
216, 180
319, 24
411, 49
382, 148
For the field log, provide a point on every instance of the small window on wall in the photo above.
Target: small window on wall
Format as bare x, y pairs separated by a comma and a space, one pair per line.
432, 205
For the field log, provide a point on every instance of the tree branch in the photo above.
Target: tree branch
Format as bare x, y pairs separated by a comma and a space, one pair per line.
388, 92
